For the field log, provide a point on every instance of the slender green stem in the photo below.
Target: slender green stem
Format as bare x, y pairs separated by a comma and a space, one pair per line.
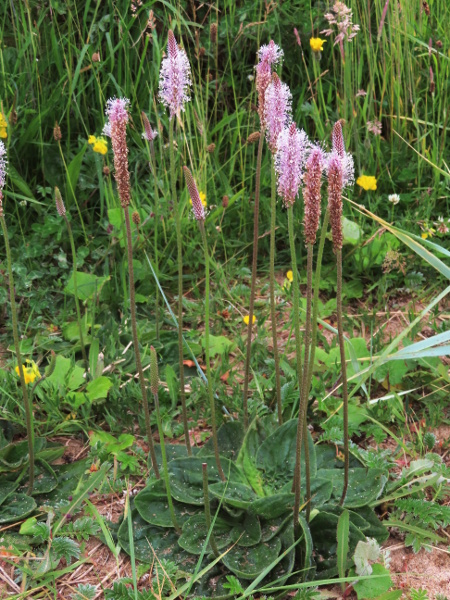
26, 399
301, 413
173, 181
253, 284
137, 353
316, 297
164, 463
343, 368
75, 291
155, 237
72, 191
273, 208
212, 539
207, 355
305, 387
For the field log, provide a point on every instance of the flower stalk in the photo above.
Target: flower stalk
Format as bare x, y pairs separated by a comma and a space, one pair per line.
154, 382
117, 112
212, 539
62, 213
199, 214
273, 208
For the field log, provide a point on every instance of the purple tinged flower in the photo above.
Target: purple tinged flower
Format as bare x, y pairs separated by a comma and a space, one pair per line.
174, 78
197, 206
149, 133
277, 110
338, 145
59, 203
3, 170
269, 55
335, 187
290, 159
311, 192
117, 112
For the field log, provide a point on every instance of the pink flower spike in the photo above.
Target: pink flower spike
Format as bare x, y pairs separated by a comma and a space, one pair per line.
348, 168
268, 55
117, 112
174, 78
335, 188
290, 159
277, 110
311, 192
197, 206
337, 138
3, 163
149, 133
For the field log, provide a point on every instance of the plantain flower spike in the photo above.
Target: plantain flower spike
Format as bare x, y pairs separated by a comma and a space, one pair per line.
277, 110
269, 55
311, 192
116, 128
3, 171
290, 158
59, 203
154, 377
197, 207
175, 78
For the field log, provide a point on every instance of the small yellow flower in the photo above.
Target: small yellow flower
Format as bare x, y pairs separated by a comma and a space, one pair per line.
367, 182
99, 144
424, 236
30, 372
3, 132
290, 276
246, 319
316, 44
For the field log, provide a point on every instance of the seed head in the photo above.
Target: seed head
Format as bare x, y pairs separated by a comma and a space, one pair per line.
149, 134
268, 55
57, 132
290, 159
348, 168
277, 110
135, 217
213, 32
59, 203
253, 137
225, 201
211, 148
175, 78
311, 192
96, 57
197, 207
154, 377
117, 112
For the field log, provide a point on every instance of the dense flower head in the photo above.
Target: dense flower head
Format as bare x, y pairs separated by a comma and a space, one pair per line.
59, 203
3, 163
99, 144
338, 145
277, 110
197, 205
394, 198
3, 127
335, 187
269, 55
117, 112
311, 192
30, 372
290, 158
174, 78
149, 133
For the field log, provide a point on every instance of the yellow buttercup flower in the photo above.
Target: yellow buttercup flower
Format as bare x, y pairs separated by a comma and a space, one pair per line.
3, 127
424, 236
290, 276
367, 182
316, 44
30, 372
3, 132
246, 319
99, 144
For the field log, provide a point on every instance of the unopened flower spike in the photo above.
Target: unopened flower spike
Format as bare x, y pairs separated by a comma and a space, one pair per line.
311, 192
277, 110
117, 113
149, 133
293, 145
59, 203
268, 55
175, 78
197, 205
3, 170
338, 149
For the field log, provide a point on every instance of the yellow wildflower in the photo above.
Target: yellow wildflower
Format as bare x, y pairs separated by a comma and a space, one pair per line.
3, 127
367, 182
316, 44
246, 319
424, 236
99, 144
290, 276
3, 132
29, 372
